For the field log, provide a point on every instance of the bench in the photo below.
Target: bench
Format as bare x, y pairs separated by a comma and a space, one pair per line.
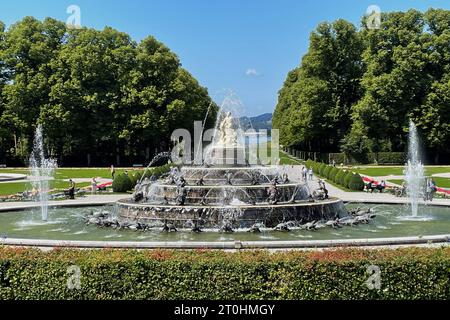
138, 165
2, 165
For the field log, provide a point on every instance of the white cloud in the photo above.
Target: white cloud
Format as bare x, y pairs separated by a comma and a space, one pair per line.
251, 72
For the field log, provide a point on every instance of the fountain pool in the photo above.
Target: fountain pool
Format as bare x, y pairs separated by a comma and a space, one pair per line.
69, 224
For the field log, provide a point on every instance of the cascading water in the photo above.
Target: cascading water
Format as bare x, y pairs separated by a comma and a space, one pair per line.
41, 170
414, 170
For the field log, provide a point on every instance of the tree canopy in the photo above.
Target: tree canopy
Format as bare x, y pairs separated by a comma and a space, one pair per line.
101, 97
356, 90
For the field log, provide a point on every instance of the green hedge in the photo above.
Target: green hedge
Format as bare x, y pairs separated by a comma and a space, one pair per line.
122, 183
158, 171
340, 175
411, 273
135, 176
126, 182
322, 168
380, 158
326, 171
347, 179
390, 158
333, 172
356, 183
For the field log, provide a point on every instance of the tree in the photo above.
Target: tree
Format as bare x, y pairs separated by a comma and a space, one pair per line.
317, 97
101, 97
394, 83
433, 116
29, 46
358, 90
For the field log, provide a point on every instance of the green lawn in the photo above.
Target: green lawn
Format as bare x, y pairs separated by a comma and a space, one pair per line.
440, 182
65, 173
397, 171
16, 187
61, 174
287, 159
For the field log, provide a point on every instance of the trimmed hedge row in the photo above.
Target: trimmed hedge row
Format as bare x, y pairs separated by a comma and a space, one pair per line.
379, 158
344, 178
411, 273
126, 182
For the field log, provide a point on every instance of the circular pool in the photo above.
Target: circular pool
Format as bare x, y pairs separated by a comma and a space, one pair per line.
69, 224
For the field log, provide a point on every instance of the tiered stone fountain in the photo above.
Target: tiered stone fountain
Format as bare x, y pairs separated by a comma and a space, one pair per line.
226, 193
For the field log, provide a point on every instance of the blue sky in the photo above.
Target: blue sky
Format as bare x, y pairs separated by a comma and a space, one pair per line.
246, 46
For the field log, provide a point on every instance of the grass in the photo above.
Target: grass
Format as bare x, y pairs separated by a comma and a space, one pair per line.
61, 174
67, 173
440, 182
16, 187
287, 159
396, 171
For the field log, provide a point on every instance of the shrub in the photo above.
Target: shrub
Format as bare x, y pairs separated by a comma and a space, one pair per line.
135, 176
322, 168
342, 178
347, 178
316, 167
390, 158
122, 183
157, 171
308, 163
333, 172
407, 273
326, 171
339, 175
356, 182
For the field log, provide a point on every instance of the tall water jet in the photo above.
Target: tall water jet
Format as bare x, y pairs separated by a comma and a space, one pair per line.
414, 170
41, 170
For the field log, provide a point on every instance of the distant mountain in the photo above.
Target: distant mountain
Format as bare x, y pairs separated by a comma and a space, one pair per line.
263, 121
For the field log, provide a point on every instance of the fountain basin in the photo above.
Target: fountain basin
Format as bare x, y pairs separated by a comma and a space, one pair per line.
239, 216
66, 224
8, 177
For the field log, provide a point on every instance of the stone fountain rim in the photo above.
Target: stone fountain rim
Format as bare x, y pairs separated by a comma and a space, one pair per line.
6, 177
125, 202
232, 245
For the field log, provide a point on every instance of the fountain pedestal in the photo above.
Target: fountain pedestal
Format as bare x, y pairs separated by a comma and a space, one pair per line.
227, 156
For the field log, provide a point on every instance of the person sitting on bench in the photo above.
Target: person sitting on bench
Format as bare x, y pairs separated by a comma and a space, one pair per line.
71, 190
370, 187
381, 186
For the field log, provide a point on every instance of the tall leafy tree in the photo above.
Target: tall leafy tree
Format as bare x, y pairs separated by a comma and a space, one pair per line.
395, 81
102, 97
433, 116
318, 96
29, 47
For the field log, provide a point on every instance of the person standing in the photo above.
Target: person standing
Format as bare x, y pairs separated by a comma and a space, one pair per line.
304, 173
433, 188
113, 171
94, 185
430, 189
310, 173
